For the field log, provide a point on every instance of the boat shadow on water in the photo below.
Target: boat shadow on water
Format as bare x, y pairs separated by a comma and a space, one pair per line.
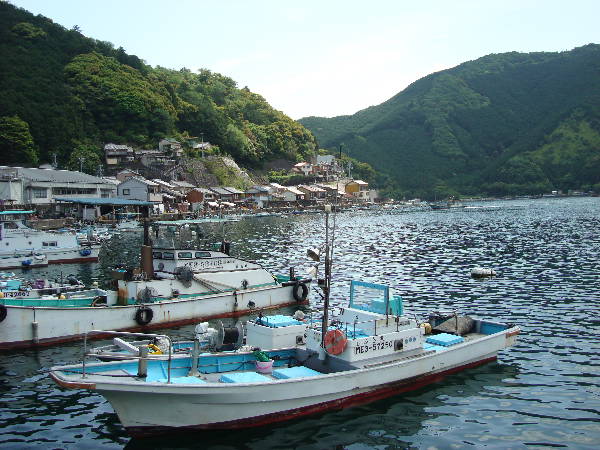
402, 416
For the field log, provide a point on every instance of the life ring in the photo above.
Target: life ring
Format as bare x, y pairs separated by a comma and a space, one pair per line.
155, 349
300, 292
335, 342
3, 312
144, 315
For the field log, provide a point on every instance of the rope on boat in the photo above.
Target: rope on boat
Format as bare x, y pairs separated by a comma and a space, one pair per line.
210, 284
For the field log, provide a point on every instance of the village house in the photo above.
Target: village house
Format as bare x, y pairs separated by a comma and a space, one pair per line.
358, 189
170, 146
313, 192
260, 195
41, 187
198, 197
331, 192
222, 194
304, 168
139, 189
183, 187
237, 194
292, 194
116, 154
150, 158
127, 173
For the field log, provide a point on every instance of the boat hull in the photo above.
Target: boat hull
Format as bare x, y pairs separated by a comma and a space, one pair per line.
26, 327
147, 408
357, 399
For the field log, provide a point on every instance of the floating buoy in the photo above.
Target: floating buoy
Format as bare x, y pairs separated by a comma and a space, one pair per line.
482, 272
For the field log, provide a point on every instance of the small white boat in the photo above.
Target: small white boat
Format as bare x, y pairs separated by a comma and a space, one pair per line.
22, 246
371, 351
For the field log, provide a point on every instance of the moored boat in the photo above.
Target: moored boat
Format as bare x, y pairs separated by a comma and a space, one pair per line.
24, 246
372, 350
174, 286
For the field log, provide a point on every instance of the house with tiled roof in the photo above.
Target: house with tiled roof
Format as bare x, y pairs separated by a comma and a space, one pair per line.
135, 188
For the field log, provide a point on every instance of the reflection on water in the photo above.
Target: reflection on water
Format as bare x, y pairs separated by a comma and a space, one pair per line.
544, 391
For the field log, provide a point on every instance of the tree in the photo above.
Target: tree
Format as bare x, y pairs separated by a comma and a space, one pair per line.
85, 157
16, 143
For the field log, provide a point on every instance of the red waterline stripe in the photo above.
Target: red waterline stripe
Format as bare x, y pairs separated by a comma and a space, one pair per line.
74, 260
379, 393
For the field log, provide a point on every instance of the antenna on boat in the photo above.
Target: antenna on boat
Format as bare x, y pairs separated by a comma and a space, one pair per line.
327, 282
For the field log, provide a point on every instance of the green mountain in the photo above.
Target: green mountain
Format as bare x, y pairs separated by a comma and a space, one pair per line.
65, 94
502, 124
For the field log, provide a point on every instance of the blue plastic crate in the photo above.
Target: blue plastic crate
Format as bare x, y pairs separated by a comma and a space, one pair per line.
278, 321
445, 339
243, 377
295, 372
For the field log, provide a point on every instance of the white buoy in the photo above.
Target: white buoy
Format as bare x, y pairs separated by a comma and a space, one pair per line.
482, 272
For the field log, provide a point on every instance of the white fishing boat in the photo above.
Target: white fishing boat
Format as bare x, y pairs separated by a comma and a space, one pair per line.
174, 286
19, 244
370, 351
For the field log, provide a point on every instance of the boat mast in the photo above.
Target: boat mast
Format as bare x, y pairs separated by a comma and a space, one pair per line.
147, 263
327, 282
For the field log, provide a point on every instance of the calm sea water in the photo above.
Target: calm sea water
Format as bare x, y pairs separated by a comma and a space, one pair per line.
544, 392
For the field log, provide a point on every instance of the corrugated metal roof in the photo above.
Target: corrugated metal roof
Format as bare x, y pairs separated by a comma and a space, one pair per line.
182, 184
295, 190
56, 176
220, 191
233, 190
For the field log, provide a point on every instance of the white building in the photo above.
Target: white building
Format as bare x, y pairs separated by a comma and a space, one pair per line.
38, 187
139, 189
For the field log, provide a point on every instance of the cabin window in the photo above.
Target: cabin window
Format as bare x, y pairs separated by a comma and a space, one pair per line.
157, 255
49, 244
184, 255
125, 191
10, 226
168, 255
202, 254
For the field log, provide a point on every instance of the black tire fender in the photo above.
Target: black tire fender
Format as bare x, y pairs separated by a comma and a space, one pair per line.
144, 315
300, 291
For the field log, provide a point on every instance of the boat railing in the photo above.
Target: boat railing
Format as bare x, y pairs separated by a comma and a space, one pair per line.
356, 325
142, 355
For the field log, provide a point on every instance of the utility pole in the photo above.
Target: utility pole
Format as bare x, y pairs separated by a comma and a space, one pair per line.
81, 159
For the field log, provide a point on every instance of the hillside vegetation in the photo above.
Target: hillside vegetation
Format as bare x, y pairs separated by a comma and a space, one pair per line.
65, 94
503, 124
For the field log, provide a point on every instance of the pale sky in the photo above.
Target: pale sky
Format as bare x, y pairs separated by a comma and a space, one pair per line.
326, 57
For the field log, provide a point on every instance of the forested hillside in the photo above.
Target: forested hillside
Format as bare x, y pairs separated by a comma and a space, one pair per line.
65, 94
503, 124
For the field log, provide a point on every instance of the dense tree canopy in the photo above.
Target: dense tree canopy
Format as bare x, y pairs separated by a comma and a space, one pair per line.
503, 124
77, 93
16, 143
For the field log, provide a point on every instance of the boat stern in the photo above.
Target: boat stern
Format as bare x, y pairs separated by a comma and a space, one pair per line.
511, 336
